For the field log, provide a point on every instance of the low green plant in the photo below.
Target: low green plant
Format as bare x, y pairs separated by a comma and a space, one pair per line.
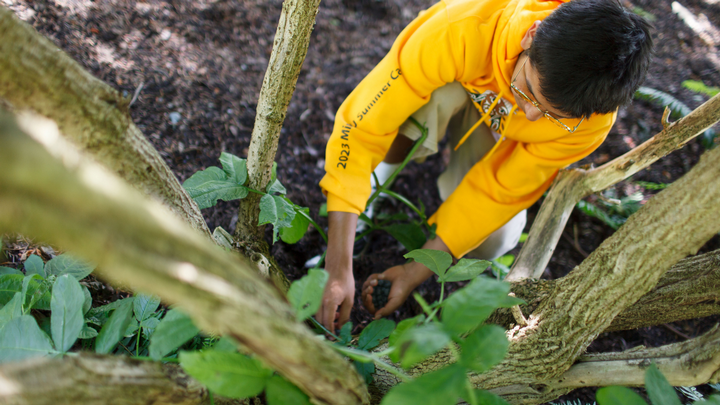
658, 390
611, 210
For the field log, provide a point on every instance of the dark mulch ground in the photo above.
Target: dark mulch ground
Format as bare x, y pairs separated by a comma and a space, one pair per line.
201, 63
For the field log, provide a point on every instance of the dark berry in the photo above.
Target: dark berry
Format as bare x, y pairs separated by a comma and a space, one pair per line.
380, 294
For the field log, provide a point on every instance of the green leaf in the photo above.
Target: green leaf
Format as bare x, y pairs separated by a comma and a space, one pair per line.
212, 184
9, 270
22, 338
115, 327
279, 391
488, 398
594, 211
35, 265
700, 87
234, 167
470, 306
87, 332
66, 307
618, 396
658, 388
416, 344
13, 283
276, 187
173, 331
276, 211
11, 310
232, 375
465, 269
297, 228
69, 264
87, 304
484, 348
506, 260
26, 285
144, 306
399, 331
441, 387
305, 295
322, 212
226, 344
436, 260
523, 237
374, 333
410, 235
366, 370
148, 327
345, 334
132, 328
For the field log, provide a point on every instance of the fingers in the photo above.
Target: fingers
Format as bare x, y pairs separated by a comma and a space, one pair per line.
393, 304
327, 315
345, 309
367, 299
371, 281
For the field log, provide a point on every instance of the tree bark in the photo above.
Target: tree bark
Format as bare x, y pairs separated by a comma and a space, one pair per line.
101, 380
137, 242
289, 50
35, 75
689, 290
573, 185
583, 304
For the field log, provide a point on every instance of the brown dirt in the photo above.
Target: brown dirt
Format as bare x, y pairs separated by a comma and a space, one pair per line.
205, 60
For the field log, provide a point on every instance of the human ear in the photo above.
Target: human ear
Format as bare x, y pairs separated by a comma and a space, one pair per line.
527, 39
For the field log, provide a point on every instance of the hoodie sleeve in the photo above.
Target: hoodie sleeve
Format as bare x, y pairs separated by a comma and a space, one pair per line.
510, 180
423, 58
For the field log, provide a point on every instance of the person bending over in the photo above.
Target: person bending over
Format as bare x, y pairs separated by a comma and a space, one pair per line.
523, 88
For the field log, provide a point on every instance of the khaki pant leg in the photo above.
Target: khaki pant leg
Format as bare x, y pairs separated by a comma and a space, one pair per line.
451, 110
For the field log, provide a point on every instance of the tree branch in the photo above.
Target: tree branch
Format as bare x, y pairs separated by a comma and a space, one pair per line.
137, 242
101, 380
35, 75
573, 185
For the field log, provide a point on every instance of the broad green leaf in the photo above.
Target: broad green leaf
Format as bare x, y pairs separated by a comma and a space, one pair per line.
87, 332
345, 334
366, 370
399, 331
470, 306
22, 338
441, 387
465, 269
711, 400
268, 210
374, 333
658, 388
105, 308
13, 283
173, 331
488, 398
234, 167
410, 235
87, 304
618, 396
66, 307
208, 186
276, 211
484, 348
132, 328
506, 260
34, 265
144, 306
11, 310
69, 264
232, 375
436, 260
26, 284
279, 391
148, 327
276, 187
9, 270
115, 327
226, 344
305, 295
416, 344
297, 228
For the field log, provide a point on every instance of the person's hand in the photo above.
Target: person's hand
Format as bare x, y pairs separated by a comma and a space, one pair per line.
339, 294
403, 283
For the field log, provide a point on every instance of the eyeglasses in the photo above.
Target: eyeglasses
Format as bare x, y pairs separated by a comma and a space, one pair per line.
533, 102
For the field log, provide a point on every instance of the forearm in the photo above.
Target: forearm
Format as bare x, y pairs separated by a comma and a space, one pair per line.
341, 238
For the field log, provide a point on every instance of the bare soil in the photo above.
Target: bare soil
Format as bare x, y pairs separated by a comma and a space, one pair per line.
196, 67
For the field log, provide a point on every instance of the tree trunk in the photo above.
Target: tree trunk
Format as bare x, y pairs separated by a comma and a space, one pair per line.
101, 380
583, 304
137, 242
690, 289
289, 50
35, 75
573, 185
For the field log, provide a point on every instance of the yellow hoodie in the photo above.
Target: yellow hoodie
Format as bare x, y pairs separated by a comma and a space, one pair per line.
476, 43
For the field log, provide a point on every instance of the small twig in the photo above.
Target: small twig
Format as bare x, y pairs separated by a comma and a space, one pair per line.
137, 93
677, 332
517, 314
666, 117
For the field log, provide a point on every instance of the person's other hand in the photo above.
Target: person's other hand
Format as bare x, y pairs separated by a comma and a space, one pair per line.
402, 285
339, 295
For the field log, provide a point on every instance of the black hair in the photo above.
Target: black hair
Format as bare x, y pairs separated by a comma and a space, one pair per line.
591, 56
